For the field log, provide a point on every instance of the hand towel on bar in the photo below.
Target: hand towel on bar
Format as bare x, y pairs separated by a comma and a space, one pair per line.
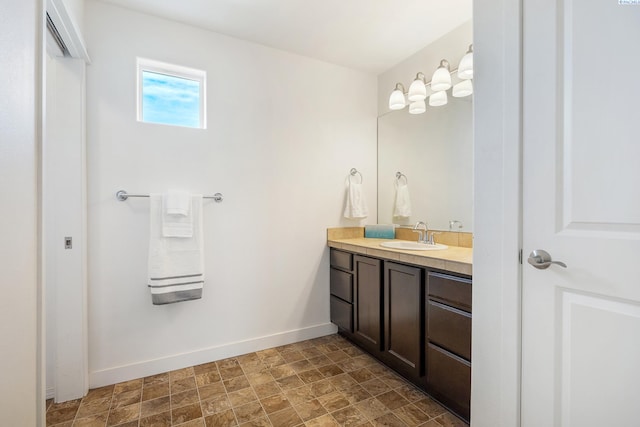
177, 218
356, 205
178, 203
176, 264
403, 201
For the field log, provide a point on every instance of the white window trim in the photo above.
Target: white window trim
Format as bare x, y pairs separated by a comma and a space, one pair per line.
144, 64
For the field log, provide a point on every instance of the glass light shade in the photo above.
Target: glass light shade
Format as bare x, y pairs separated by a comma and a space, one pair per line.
441, 79
417, 107
438, 98
464, 88
465, 68
396, 100
417, 91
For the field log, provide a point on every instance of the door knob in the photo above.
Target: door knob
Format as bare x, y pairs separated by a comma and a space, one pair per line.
541, 259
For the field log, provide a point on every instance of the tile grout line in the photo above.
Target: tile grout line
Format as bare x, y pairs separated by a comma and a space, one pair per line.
226, 392
170, 401
199, 399
113, 392
254, 392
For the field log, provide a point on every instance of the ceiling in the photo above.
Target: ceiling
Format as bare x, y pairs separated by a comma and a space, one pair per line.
366, 35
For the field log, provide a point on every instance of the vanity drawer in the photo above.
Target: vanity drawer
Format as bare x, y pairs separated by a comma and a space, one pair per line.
341, 313
449, 328
341, 284
449, 380
452, 290
342, 260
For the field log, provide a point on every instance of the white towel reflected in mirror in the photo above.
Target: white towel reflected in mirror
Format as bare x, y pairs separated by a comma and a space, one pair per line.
402, 207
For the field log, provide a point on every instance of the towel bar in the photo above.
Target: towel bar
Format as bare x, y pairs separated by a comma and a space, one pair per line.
123, 195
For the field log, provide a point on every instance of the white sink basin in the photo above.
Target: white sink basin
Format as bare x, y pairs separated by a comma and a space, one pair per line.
413, 246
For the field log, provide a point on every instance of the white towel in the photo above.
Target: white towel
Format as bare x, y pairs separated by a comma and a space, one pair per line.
356, 205
403, 201
177, 220
176, 264
178, 203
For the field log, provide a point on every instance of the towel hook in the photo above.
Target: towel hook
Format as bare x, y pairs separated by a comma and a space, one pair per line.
354, 172
400, 175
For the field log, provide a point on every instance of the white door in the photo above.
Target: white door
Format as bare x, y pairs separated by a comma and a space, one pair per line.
581, 203
64, 216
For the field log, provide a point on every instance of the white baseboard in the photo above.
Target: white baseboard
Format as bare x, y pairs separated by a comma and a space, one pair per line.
179, 361
50, 392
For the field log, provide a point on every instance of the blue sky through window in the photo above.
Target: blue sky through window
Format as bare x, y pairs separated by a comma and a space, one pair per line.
170, 100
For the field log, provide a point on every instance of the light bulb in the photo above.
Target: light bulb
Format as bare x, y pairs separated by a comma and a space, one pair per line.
465, 68
438, 99
441, 79
464, 88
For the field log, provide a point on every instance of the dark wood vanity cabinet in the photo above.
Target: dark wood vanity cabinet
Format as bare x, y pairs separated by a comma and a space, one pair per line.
403, 318
341, 284
448, 341
356, 298
414, 319
368, 303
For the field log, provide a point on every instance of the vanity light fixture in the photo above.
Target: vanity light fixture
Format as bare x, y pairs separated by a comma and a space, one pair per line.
465, 68
438, 99
441, 79
439, 84
396, 100
417, 107
464, 88
418, 88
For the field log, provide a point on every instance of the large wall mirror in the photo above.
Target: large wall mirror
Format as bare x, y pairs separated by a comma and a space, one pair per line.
434, 151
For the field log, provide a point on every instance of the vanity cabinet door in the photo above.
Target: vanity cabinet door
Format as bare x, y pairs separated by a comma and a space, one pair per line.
368, 303
403, 318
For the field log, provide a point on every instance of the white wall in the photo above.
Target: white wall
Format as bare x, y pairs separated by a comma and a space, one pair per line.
283, 132
21, 388
452, 47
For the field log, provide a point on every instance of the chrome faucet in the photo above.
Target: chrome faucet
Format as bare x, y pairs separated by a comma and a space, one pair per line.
422, 235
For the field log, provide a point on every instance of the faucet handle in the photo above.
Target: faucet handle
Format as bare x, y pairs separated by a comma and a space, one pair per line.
430, 238
421, 237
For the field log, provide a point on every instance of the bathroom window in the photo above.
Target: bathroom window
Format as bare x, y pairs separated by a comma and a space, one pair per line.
171, 94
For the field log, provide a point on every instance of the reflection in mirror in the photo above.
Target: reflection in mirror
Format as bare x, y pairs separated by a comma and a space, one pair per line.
434, 151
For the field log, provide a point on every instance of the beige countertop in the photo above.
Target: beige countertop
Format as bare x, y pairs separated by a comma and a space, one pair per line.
455, 259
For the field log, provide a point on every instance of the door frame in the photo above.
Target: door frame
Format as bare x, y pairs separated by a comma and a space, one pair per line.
497, 270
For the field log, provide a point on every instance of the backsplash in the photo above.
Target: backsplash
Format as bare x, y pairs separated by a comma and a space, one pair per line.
450, 238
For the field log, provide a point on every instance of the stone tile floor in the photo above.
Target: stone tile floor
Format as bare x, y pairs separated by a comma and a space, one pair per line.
325, 381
